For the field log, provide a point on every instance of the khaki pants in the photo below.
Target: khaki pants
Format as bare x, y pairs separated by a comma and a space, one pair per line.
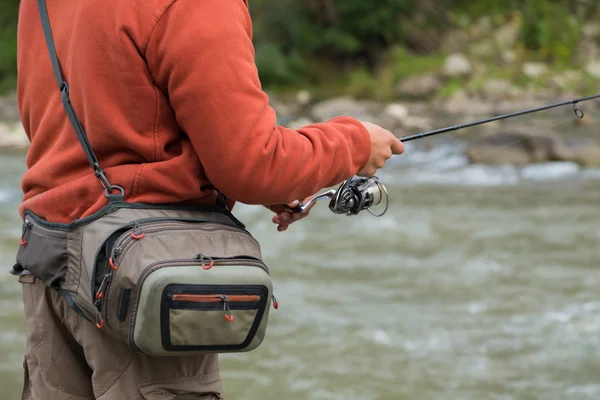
68, 358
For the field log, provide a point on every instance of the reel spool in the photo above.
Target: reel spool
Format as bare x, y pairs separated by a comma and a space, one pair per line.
353, 196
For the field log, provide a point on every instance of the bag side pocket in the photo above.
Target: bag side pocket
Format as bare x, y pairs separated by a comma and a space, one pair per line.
44, 254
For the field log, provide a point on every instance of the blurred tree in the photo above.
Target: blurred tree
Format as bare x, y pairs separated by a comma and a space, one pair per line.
8, 44
311, 41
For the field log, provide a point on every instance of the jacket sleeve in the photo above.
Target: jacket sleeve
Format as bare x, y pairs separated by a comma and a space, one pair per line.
201, 55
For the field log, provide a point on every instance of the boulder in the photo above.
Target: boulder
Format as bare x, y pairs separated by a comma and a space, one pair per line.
344, 106
509, 56
566, 78
591, 31
455, 41
534, 70
526, 146
497, 89
593, 68
485, 48
299, 123
418, 87
506, 37
9, 110
13, 137
462, 104
582, 152
415, 123
393, 116
457, 65
303, 97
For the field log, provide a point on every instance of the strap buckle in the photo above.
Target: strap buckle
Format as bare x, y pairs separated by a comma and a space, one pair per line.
114, 197
108, 188
64, 92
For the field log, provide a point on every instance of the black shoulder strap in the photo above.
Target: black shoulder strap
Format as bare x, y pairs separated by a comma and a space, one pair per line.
66, 101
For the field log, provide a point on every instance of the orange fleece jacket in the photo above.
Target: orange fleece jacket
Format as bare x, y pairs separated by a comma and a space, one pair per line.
169, 95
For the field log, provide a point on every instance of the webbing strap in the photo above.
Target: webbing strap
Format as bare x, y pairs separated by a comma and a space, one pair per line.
66, 101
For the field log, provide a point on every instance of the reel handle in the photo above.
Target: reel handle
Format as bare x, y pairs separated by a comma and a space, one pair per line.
300, 208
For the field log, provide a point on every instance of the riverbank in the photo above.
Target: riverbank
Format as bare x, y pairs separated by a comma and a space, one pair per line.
552, 135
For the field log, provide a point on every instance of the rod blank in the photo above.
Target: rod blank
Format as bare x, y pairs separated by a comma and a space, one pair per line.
578, 113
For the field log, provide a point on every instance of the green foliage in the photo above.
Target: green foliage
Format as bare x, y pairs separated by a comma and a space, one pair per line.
363, 48
287, 32
551, 31
406, 63
8, 44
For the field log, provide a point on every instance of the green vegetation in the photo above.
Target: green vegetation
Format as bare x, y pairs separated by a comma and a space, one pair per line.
8, 44
354, 47
363, 48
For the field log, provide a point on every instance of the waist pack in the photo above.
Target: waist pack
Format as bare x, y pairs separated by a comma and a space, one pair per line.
168, 280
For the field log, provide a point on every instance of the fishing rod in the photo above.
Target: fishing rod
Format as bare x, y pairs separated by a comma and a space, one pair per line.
578, 113
358, 193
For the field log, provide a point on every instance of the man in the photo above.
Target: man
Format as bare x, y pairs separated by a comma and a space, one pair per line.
169, 95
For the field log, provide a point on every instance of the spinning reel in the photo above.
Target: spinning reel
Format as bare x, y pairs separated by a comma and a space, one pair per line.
352, 196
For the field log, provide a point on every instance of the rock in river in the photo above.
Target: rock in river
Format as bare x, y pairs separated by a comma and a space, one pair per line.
524, 146
456, 65
344, 106
418, 87
13, 136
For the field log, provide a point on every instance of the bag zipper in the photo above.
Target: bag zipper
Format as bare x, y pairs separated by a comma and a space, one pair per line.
100, 295
175, 263
139, 230
136, 230
27, 225
158, 221
215, 298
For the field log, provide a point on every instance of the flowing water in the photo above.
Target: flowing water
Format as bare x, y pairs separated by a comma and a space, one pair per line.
479, 283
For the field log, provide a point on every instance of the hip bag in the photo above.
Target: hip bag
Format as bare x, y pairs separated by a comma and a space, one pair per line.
166, 279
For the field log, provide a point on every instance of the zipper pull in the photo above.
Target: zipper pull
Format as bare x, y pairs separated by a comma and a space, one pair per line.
25, 233
99, 321
275, 302
111, 261
228, 314
100, 292
137, 228
200, 257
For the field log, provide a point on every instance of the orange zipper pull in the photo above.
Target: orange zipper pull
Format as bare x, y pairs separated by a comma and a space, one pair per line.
134, 234
228, 314
275, 302
26, 229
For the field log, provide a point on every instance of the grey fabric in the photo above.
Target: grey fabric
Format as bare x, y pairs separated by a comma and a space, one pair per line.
44, 254
140, 244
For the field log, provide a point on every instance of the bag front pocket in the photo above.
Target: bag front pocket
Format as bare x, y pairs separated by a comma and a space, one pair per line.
211, 317
185, 307
170, 287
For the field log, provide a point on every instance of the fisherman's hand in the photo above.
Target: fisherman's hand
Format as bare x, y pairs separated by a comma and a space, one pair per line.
285, 217
383, 144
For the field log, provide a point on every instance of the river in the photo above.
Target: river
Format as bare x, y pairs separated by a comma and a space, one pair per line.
479, 283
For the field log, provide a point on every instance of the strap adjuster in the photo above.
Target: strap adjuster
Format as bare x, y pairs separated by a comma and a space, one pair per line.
64, 92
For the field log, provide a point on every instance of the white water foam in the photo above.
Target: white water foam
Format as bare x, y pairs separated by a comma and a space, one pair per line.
552, 170
591, 173
447, 165
5, 195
